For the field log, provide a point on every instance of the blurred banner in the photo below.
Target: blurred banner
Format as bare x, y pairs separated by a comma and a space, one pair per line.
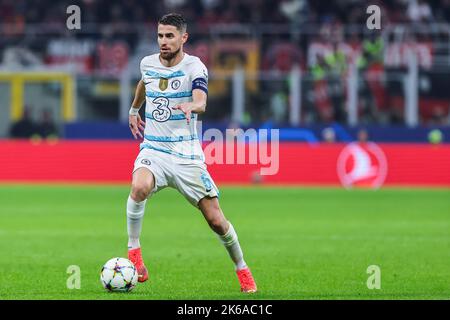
350, 165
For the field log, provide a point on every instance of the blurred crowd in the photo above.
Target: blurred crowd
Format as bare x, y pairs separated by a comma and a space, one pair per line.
28, 127
112, 34
19, 13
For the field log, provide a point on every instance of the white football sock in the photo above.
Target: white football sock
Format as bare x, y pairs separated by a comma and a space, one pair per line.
135, 215
231, 243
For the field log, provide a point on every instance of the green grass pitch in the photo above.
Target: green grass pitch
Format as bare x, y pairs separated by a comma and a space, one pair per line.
301, 243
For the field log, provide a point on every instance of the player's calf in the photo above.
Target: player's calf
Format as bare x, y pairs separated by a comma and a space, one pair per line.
213, 214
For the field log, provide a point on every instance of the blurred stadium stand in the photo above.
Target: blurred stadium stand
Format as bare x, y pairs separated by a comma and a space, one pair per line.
300, 65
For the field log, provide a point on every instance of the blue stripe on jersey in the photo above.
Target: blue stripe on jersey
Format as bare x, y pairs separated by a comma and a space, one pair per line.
171, 139
178, 154
182, 94
155, 74
180, 116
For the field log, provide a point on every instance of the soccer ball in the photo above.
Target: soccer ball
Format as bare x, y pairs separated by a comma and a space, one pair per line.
119, 275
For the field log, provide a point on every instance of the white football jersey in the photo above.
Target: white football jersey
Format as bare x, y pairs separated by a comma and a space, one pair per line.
166, 130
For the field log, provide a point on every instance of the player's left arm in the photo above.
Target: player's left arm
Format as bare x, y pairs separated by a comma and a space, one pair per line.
197, 105
199, 92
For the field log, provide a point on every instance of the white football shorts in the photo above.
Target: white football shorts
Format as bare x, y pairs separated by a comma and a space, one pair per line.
191, 179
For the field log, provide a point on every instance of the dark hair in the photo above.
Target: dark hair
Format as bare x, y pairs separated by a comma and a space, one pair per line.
174, 19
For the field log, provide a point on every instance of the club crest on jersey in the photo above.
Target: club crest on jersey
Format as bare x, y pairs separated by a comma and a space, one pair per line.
163, 83
175, 84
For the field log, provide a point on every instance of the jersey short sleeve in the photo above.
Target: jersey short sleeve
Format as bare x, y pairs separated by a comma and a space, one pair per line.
199, 75
199, 70
141, 68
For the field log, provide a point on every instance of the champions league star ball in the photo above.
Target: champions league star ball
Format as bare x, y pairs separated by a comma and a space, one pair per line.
119, 275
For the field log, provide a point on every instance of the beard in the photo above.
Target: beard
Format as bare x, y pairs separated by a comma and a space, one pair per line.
169, 55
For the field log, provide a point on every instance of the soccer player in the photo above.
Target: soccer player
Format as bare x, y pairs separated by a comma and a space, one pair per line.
175, 86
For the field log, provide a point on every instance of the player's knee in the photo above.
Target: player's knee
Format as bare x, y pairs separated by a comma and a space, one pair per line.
140, 190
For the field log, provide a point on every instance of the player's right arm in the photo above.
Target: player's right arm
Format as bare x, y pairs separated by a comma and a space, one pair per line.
134, 119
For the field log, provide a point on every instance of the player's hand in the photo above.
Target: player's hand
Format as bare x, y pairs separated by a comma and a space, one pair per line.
186, 108
136, 125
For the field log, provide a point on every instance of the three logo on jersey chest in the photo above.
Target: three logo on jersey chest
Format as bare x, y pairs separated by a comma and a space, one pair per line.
162, 112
